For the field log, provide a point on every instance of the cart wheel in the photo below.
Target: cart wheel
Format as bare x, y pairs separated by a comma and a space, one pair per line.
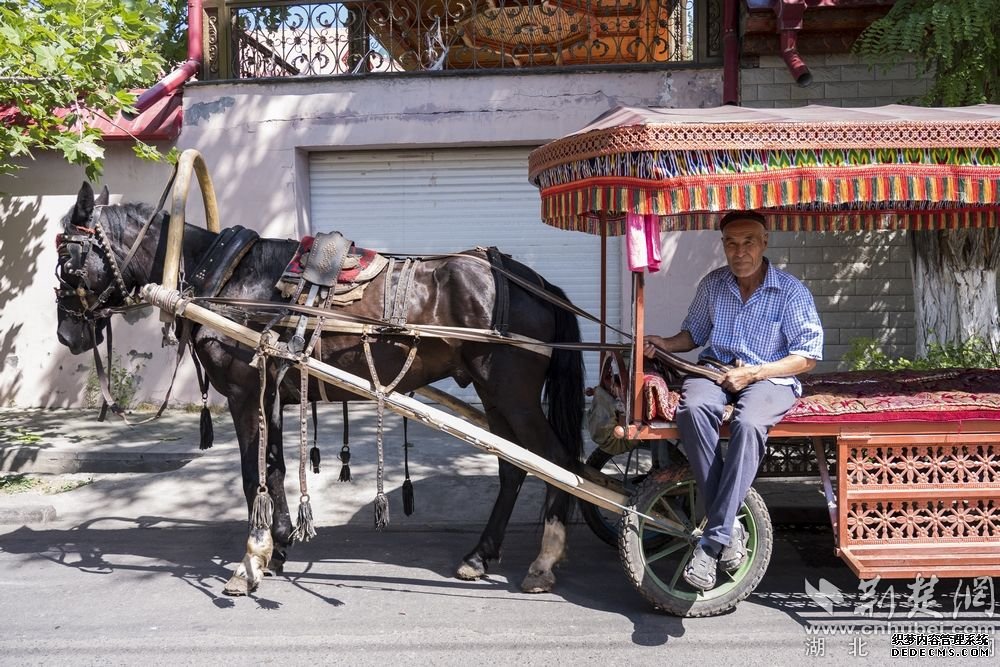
655, 567
627, 470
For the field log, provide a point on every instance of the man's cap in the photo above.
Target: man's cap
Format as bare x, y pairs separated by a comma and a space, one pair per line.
733, 216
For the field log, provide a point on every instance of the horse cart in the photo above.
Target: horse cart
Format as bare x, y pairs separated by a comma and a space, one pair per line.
912, 496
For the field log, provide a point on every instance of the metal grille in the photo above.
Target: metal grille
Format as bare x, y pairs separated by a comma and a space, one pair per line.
381, 36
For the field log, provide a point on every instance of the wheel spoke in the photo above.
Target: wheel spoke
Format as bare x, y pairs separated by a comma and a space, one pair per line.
691, 501
663, 531
674, 511
680, 568
676, 546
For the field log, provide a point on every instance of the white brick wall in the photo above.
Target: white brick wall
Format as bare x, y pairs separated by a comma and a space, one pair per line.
861, 284
861, 281
838, 81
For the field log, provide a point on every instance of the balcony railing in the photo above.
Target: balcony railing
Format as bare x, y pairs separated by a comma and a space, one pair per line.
278, 38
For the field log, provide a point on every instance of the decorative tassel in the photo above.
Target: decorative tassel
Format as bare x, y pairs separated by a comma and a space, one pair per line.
345, 459
305, 530
207, 431
407, 497
381, 511
263, 510
314, 459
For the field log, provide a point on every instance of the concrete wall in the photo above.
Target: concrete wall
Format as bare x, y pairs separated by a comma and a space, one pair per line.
255, 138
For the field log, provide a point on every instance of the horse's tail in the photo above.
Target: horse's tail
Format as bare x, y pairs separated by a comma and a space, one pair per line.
564, 381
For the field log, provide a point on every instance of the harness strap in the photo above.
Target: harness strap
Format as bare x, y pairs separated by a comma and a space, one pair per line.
381, 501
398, 316
501, 305
387, 290
527, 285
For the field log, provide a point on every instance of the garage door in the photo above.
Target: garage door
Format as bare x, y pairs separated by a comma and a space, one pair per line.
450, 200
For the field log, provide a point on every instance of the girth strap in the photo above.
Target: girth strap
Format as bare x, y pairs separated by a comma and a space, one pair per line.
501, 306
397, 292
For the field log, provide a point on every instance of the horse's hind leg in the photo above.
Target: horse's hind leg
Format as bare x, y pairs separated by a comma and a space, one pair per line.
526, 425
476, 562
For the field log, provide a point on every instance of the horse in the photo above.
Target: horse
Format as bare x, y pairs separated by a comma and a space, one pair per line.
455, 290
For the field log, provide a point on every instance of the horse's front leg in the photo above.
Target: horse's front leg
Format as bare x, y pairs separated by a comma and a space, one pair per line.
266, 549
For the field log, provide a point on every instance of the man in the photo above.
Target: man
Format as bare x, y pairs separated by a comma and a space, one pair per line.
763, 321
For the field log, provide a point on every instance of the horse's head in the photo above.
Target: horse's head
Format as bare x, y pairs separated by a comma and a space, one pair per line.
87, 285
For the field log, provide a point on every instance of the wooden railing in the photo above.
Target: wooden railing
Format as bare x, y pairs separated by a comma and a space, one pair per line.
280, 38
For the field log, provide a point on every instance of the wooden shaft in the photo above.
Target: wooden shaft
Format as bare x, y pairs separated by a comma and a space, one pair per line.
171, 301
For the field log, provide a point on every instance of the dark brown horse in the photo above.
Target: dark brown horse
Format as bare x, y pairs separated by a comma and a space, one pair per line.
453, 291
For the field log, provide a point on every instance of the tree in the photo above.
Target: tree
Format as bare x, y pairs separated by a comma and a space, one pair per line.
63, 59
954, 42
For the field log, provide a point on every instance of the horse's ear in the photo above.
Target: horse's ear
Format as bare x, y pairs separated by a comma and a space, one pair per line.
104, 198
84, 206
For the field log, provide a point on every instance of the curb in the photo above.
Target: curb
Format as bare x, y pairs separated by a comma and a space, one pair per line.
28, 514
24, 460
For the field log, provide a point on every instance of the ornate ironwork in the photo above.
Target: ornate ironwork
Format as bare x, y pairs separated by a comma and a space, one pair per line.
920, 493
920, 465
380, 36
794, 457
924, 521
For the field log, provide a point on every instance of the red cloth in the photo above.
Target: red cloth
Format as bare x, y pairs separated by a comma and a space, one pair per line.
873, 396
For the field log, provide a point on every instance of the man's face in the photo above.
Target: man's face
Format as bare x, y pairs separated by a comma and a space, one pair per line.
744, 242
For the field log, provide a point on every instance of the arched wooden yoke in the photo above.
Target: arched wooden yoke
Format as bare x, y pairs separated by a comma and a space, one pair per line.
190, 160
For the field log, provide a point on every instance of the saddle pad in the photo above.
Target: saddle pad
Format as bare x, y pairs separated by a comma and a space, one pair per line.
361, 264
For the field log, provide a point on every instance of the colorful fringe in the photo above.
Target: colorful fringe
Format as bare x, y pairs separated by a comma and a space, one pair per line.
811, 190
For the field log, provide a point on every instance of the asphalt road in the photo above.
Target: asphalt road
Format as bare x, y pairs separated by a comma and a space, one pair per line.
129, 570
126, 591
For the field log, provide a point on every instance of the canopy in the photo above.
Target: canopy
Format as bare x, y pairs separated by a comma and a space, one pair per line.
812, 168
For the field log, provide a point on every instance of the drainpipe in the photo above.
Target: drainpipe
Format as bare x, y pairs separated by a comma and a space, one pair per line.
186, 70
731, 52
789, 23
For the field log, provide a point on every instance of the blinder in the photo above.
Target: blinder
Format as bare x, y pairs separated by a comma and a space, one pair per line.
73, 250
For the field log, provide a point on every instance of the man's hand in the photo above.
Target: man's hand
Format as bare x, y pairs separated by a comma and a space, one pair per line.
680, 342
650, 344
740, 377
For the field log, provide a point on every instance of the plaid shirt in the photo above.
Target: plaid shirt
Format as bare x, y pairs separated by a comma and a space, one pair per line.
778, 319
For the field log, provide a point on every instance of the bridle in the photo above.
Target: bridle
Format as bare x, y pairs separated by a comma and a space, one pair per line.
76, 247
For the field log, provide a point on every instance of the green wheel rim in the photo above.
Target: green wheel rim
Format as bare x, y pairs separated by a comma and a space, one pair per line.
724, 583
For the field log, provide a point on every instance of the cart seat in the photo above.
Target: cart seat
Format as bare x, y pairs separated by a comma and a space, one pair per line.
917, 465
863, 396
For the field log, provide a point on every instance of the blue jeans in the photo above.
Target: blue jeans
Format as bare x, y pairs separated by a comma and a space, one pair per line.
723, 484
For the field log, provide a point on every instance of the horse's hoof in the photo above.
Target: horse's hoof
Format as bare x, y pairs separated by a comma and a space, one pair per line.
538, 582
471, 569
238, 585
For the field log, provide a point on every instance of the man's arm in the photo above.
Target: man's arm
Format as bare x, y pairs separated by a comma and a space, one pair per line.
740, 377
680, 342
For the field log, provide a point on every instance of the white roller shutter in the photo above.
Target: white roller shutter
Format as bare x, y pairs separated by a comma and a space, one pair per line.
447, 200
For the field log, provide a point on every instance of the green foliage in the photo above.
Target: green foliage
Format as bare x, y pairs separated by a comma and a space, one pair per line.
20, 483
17, 483
955, 41
60, 58
866, 354
125, 381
